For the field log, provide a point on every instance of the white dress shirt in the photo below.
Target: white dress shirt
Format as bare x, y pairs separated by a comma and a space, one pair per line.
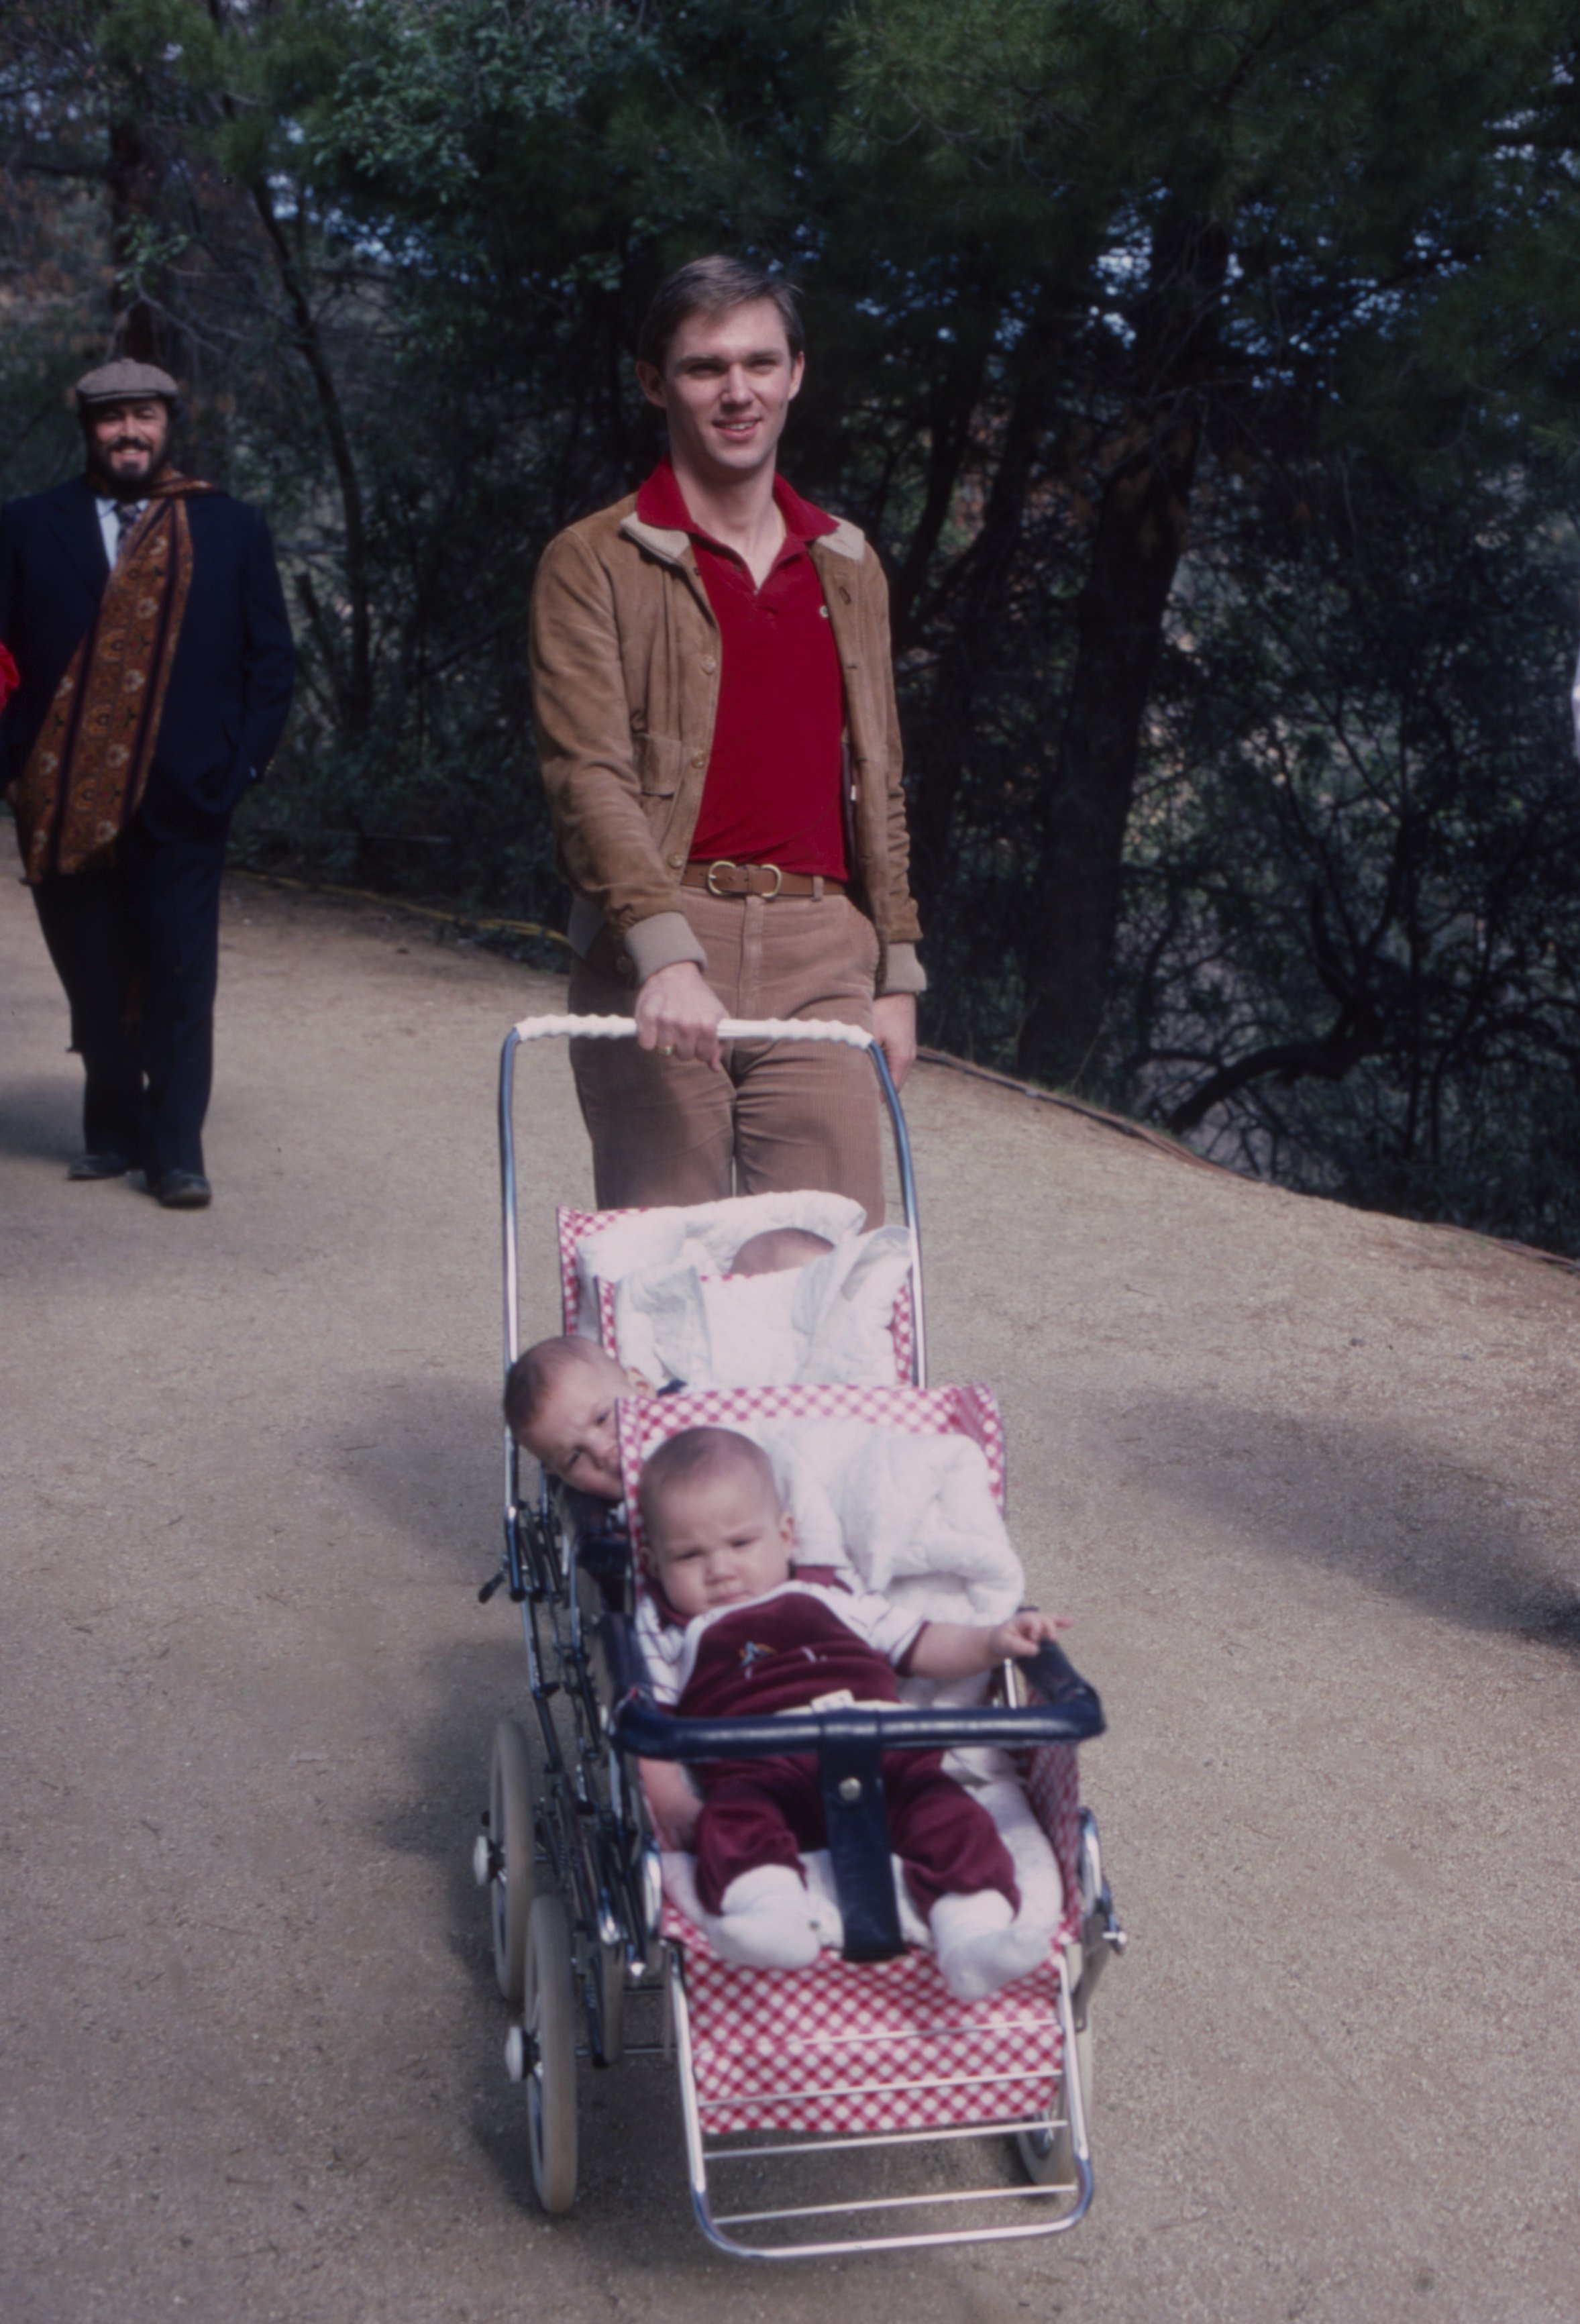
108, 524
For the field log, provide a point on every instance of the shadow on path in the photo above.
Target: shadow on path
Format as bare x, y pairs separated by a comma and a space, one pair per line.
1364, 1499
41, 1118
426, 1454
631, 2168
436, 1473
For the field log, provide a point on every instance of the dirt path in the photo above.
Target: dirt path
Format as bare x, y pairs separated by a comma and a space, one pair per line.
1306, 1479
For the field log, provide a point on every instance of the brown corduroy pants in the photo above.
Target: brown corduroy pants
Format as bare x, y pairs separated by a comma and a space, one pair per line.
782, 1115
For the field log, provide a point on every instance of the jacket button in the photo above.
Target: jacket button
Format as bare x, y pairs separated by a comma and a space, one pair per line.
677, 863
699, 761
709, 664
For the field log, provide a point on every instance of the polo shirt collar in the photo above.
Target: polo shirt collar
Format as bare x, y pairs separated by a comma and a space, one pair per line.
660, 503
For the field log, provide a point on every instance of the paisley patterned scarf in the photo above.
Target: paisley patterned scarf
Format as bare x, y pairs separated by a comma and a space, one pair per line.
87, 772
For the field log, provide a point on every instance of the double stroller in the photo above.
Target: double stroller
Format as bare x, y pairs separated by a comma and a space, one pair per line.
854, 2105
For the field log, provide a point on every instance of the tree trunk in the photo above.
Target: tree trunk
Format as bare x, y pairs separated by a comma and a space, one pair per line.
1146, 482
976, 590
144, 328
350, 669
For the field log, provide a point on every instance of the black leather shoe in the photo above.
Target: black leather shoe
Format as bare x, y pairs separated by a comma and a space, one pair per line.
99, 1165
182, 1190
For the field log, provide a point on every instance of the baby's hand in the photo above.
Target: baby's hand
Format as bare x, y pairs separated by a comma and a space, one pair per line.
1024, 1632
672, 1804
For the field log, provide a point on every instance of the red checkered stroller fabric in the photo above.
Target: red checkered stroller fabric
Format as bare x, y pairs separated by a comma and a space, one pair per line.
646, 1421
843, 2048
576, 1226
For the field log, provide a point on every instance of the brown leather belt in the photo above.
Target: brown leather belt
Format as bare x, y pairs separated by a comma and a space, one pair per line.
764, 880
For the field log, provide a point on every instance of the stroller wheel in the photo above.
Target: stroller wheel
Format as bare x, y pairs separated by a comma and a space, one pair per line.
550, 2029
1048, 2157
510, 1829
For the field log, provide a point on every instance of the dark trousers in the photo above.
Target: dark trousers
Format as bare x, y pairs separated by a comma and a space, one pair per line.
137, 948
768, 1811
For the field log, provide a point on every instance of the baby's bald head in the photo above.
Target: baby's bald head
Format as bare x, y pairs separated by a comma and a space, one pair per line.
716, 1531
776, 1249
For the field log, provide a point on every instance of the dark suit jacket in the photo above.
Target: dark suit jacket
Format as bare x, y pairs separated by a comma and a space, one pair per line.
230, 682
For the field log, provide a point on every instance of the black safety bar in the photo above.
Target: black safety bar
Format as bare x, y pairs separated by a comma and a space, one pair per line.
849, 1746
1067, 1710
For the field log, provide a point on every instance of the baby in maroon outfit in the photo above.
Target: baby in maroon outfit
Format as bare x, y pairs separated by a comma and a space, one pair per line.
730, 1626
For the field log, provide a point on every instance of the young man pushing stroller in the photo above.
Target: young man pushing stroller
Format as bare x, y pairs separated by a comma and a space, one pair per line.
718, 738
717, 728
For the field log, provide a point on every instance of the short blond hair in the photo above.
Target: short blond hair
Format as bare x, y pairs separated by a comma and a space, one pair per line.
538, 1371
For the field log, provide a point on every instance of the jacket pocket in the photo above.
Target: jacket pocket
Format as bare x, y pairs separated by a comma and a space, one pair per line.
657, 763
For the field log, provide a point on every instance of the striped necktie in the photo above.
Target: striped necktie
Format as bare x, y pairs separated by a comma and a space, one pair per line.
126, 515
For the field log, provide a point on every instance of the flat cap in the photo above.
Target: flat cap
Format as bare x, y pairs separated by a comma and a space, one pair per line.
126, 381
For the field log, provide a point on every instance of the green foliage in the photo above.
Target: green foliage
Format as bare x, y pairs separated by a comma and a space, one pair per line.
1354, 923
1207, 375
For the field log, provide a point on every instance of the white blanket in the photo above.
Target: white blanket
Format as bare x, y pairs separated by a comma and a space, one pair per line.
705, 1235
827, 1320
914, 1517
1036, 1876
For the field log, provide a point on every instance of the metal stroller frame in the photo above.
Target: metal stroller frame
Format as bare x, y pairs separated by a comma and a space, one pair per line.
585, 1819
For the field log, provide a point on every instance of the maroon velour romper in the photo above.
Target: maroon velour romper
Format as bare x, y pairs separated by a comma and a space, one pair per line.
782, 1654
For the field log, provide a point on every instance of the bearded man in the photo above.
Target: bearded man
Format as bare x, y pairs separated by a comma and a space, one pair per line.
717, 730
145, 612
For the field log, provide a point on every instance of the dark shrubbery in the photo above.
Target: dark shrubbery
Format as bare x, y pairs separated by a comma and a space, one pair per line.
1206, 377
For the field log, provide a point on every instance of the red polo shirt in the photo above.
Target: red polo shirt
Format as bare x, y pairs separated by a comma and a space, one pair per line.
771, 793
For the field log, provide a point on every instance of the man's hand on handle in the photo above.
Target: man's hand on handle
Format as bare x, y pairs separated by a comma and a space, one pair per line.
894, 1025
677, 1014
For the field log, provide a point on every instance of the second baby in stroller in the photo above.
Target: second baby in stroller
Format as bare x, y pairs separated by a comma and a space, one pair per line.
729, 1625
560, 1395
559, 1405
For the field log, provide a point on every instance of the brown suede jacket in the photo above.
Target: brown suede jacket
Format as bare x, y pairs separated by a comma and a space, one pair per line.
625, 680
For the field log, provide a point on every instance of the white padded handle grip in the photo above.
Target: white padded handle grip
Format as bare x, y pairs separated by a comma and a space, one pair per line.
732, 1029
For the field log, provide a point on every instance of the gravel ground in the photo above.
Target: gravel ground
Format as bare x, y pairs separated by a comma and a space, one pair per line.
1303, 1477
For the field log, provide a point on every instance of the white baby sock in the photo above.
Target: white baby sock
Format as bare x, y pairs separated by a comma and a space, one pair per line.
765, 1921
979, 1945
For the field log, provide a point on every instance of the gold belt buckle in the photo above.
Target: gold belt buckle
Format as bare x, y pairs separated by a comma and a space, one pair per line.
723, 864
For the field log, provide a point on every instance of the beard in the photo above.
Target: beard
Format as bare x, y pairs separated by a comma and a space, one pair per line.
125, 487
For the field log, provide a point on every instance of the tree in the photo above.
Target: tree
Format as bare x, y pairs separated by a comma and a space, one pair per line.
1205, 376
1246, 230
1354, 924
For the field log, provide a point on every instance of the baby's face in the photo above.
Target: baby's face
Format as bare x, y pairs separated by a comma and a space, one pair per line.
720, 1540
575, 1434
